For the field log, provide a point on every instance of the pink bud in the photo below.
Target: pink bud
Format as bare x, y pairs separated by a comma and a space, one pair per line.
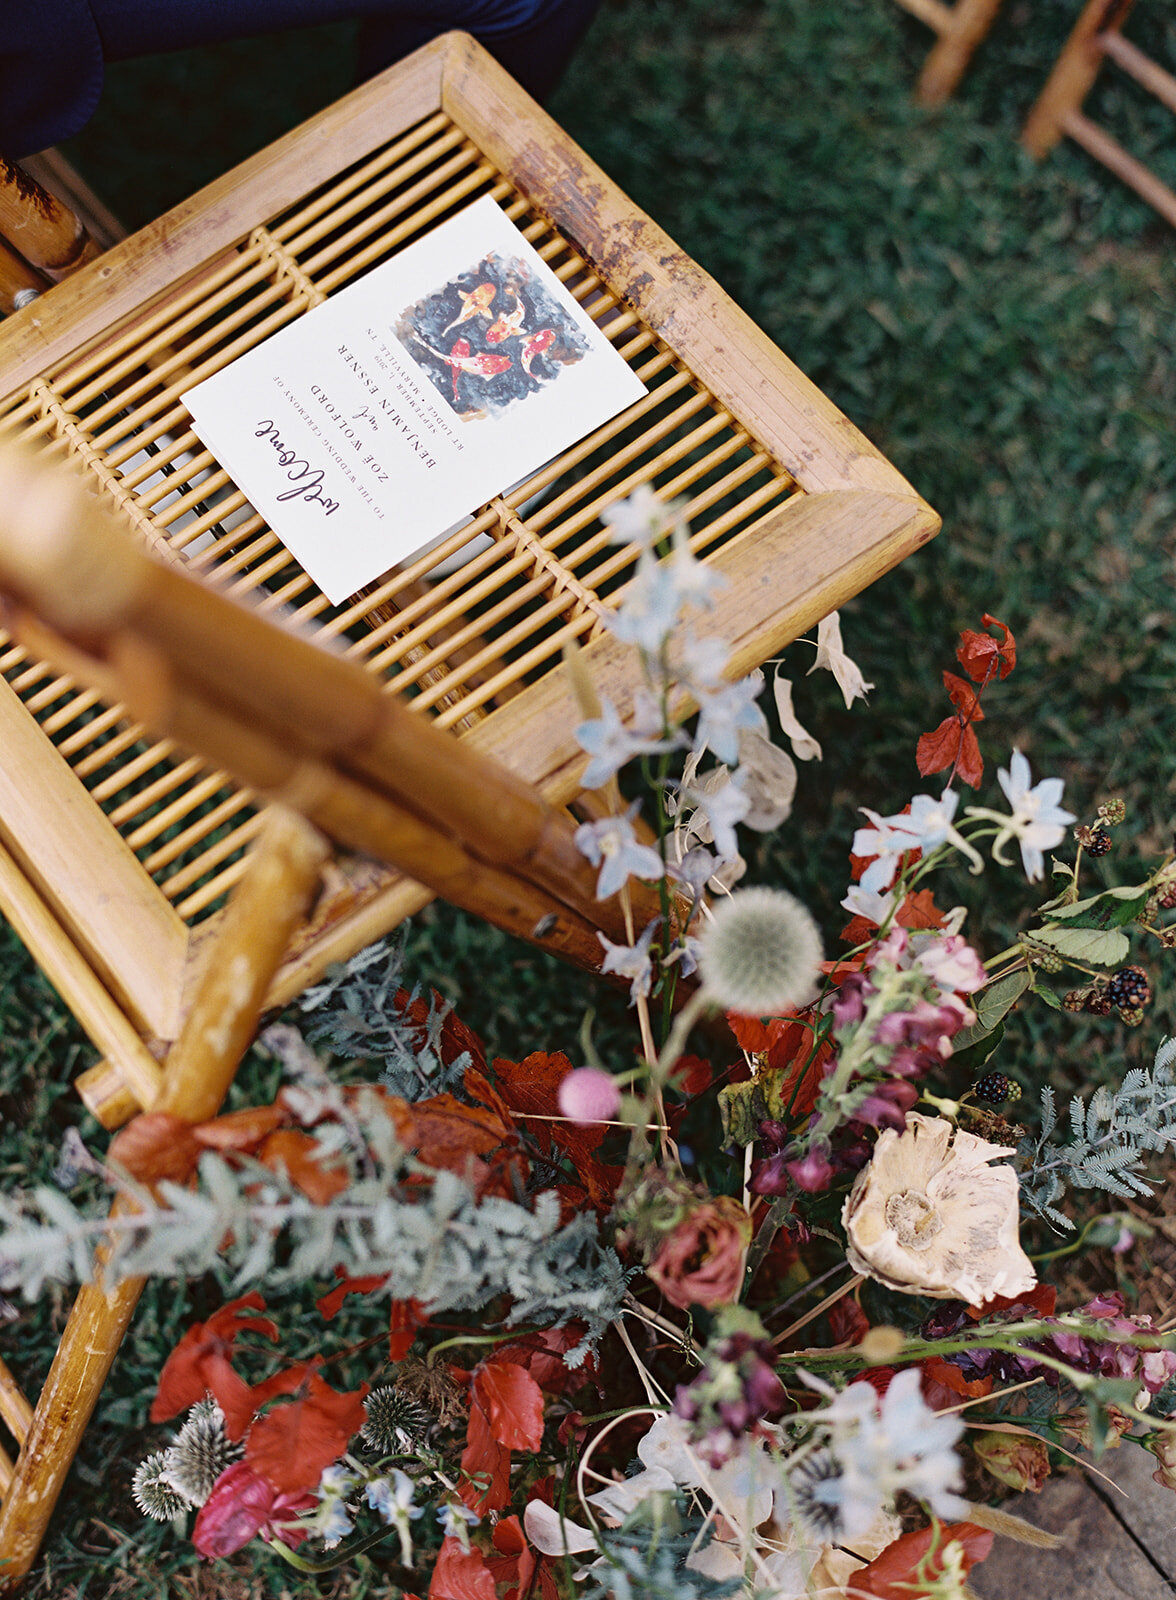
589, 1095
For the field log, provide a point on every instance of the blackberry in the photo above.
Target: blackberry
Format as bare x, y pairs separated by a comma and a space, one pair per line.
1099, 1003
995, 1088
1168, 897
1131, 1015
1076, 999
1112, 812
1100, 843
1129, 989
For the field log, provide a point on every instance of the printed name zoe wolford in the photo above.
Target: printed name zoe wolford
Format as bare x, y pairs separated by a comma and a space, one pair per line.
413, 440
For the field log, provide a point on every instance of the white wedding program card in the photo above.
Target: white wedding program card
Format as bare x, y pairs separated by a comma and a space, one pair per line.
368, 428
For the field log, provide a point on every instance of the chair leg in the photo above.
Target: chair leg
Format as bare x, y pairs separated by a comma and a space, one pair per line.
948, 60
1073, 75
272, 898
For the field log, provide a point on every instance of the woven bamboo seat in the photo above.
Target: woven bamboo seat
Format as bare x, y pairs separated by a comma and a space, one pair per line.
120, 848
1057, 112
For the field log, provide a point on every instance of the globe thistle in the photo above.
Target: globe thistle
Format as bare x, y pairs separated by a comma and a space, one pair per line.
760, 955
200, 1454
396, 1423
153, 1492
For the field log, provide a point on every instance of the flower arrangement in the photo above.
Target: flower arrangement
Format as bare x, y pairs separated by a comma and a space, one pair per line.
717, 1323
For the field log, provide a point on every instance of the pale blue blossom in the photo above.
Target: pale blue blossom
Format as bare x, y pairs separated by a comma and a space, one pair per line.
927, 823
456, 1520
612, 845
632, 961
862, 902
611, 744
649, 610
886, 1444
723, 807
392, 1495
643, 517
722, 713
1038, 822
701, 663
333, 1524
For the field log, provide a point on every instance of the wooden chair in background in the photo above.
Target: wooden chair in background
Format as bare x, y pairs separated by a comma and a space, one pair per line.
1058, 114
961, 28
119, 847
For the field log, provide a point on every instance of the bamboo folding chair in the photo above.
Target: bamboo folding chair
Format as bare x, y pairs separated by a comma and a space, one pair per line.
961, 28
119, 848
1058, 113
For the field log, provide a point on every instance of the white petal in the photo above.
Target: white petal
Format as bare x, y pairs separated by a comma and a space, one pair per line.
804, 746
553, 1535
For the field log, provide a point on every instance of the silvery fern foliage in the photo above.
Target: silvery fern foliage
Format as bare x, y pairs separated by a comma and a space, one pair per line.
649, 1563
355, 1014
1110, 1138
434, 1243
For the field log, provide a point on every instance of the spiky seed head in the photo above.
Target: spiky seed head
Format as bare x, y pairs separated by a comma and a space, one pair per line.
153, 1493
396, 1423
761, 953
200, 1454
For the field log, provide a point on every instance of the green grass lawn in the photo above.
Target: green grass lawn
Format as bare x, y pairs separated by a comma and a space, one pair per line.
1002, 331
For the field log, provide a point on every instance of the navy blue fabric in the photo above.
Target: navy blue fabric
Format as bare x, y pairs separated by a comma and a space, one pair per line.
50, 72
52, 52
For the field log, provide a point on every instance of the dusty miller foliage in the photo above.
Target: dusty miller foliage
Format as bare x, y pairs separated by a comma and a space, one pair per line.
1111, 1137
355, 1015
435, 1242
649, 1563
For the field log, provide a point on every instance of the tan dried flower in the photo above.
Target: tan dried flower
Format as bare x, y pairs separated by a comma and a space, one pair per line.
930, 1215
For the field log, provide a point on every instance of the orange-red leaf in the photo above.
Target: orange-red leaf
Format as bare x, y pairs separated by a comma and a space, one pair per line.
952, 742
301, 1157
981, 655
291, 1445
963, 697
331, 1303
461, 1574
531, 1090
241, 1130
487, 1462
404, 1318
513, 1402
202, 1363
891, 1575
156, 1145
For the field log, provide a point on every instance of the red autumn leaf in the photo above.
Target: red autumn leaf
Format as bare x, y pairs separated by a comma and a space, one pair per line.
156, 1145
542, 1354
513, 1402
241, 1505
404, 1318
291, 1445
472, 1141
461, 1574
981, 655
241, 1130
456, 1039
691, 1075
301, 1157
952, 742
486, 1465
515, 1565
201, 1363
847, 1321
937, 1370
919, 910
531, 1090
1041, 1301
330, 1304
892, 1575
963, 697
288, 1381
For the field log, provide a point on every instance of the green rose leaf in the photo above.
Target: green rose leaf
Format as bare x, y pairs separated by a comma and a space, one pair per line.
1105, 947
1110, 909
